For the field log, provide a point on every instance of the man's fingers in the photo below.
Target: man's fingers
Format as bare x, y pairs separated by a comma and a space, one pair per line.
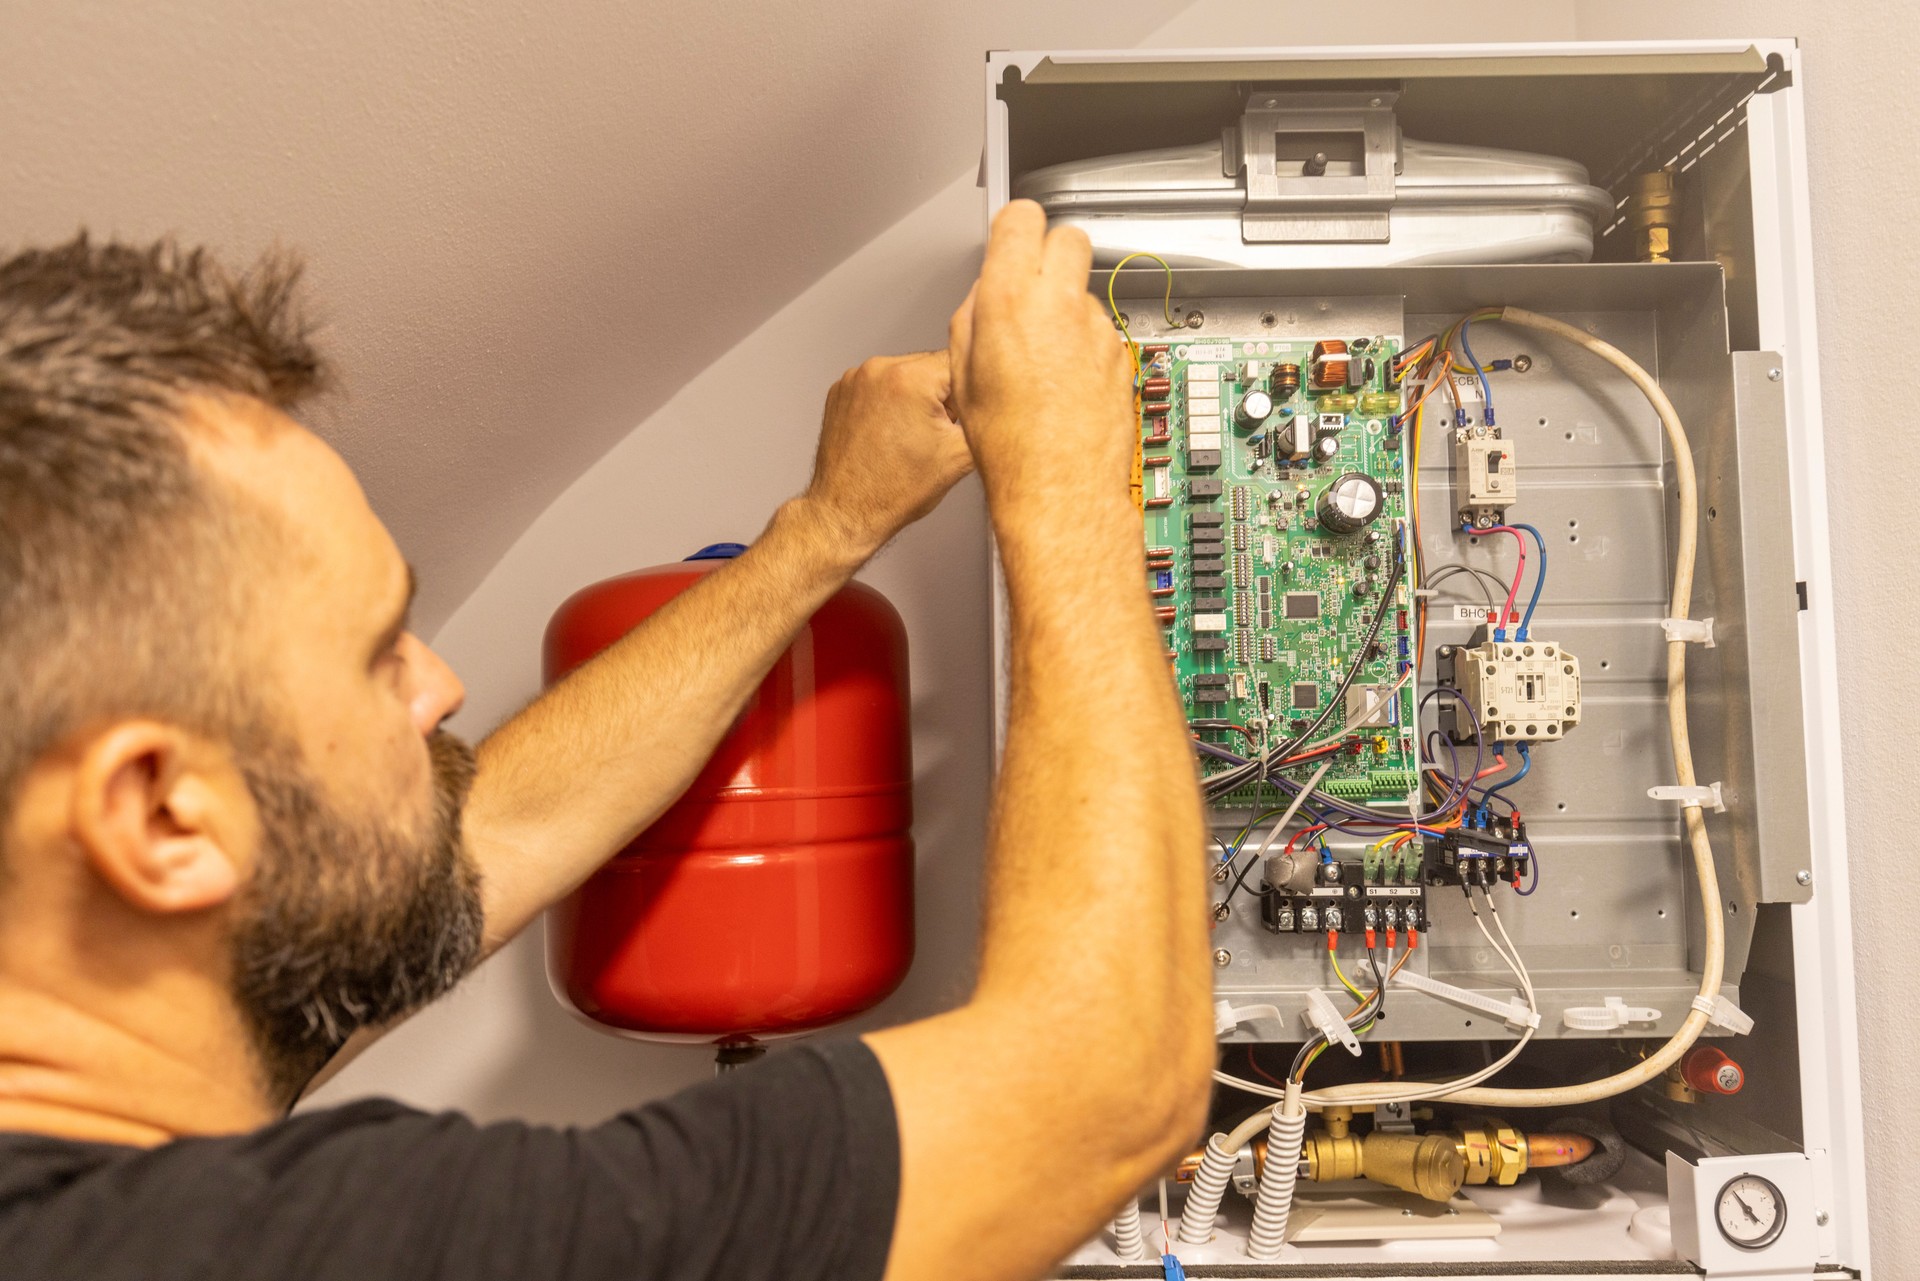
1067, 255
1014, 243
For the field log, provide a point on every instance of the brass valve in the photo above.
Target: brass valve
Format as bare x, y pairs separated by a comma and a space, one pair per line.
1650, 214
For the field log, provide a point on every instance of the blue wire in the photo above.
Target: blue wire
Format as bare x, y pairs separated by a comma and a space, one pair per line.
1171, 1266
1486, 390
1526, 765
1539, 581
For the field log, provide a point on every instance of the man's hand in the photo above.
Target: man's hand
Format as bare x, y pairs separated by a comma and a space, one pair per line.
888, 449
1042, 383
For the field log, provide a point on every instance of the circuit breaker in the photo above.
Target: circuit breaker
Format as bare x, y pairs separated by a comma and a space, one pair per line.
1465, 423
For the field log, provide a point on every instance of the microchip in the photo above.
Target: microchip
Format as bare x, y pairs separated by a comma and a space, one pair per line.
1303, 605
1306, 696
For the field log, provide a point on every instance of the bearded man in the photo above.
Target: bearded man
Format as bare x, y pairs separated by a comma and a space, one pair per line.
235, 841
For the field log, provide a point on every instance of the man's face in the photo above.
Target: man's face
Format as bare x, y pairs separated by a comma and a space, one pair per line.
364, 903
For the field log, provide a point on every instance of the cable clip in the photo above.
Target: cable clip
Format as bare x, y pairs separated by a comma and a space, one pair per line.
1692, 631
1514, 1011
1691, 797
1227, 1017
1616, 1013
1724, 1014
1324, 1018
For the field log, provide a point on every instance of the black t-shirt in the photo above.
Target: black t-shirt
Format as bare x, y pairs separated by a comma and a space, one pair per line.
788, 1168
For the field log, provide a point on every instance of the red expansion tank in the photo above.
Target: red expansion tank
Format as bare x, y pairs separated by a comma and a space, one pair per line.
776, 895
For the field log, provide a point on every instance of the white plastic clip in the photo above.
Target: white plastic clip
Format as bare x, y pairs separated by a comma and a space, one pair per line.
1707, 797
1724, 1014
1616, 1013
1227, 1017
1513, 1012
1321, 1015
1693, 631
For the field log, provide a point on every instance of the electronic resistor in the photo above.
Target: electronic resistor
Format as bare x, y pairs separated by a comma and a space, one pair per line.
1158, 438
1157, 460
1166, 614
1160, 502
1159, 388
1159, 553
1158, 409
1161, 591
1153, 350
1328, 367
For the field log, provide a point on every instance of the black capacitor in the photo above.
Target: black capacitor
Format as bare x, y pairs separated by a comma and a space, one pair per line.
1326, 449
1350, 503
1255, 407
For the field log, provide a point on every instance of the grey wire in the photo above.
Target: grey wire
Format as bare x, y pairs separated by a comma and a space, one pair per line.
1481, 579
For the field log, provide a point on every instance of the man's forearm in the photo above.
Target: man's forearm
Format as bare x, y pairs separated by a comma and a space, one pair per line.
595, 759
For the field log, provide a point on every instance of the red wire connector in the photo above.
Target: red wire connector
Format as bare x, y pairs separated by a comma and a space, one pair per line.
1413, 938
1371, 942
1333, 939
1392, 935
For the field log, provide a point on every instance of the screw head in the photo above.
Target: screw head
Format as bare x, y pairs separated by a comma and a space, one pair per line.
1773, 375
1222, 958
1804, 877
1195, 319
1821, 1217
1221, 911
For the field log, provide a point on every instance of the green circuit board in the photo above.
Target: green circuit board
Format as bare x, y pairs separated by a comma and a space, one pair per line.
1266, 586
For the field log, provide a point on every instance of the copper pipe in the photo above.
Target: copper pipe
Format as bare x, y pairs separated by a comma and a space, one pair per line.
1557, 1149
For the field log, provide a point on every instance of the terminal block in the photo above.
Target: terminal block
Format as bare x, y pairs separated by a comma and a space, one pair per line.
1484, 482
1480, 856
1518, 691
1347, 896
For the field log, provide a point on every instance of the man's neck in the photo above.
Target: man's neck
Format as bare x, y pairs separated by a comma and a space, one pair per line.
73, 1072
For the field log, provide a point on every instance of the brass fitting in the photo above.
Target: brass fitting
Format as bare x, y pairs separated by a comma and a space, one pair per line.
1426, 1165
1650, 214
1493, 1154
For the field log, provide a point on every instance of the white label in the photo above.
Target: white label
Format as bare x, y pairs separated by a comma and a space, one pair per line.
1212, 351
1472, 614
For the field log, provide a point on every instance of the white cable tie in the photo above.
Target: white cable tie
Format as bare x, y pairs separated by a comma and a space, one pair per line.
1724, 1014
1693, 631
1616, 1013
1513, 1012
1707, 797
1227, 1017
1322, 1016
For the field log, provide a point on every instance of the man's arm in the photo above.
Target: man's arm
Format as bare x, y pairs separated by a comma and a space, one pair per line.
595, 759
1079, 1068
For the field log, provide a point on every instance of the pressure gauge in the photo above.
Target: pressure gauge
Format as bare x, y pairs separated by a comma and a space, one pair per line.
1751, 1212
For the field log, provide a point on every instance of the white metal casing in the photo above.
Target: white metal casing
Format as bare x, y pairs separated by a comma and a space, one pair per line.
1824, 1057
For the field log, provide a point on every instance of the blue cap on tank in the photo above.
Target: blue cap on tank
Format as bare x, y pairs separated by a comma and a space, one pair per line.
719, 551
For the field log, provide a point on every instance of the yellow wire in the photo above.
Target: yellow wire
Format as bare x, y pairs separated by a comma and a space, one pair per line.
1120, 317
1344, 980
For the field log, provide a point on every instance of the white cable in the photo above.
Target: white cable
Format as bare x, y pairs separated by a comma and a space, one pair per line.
1273, 1203
1299, 799
1129, 1242
1208, 1188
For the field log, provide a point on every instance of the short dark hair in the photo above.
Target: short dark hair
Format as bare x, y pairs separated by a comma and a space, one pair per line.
116, 592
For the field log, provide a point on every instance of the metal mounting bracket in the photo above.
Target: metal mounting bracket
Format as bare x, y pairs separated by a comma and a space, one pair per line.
1319, 166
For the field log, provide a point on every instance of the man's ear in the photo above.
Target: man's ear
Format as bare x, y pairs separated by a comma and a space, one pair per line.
157, 812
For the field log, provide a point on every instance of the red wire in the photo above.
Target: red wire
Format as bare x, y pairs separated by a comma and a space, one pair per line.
1261, 1072
1520, 567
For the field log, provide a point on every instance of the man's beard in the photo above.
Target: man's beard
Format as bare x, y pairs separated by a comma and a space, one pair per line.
349, 922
